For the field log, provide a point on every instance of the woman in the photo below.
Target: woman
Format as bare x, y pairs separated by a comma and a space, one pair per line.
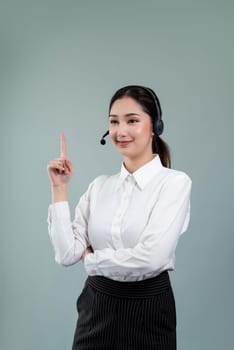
125, 230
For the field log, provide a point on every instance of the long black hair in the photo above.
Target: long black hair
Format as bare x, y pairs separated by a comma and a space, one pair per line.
145, 97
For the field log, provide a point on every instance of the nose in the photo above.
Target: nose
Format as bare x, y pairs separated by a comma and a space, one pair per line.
122, 130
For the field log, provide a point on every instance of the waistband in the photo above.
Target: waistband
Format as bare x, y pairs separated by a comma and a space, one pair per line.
139, 289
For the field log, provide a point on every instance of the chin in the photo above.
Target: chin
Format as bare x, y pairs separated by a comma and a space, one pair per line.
127, 153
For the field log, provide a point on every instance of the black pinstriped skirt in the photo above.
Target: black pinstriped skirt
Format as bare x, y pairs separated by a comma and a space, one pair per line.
117, 315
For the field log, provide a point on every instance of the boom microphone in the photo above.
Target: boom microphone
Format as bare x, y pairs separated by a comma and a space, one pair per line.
103, 141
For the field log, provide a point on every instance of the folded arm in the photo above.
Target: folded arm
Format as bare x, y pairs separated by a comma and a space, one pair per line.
156, 248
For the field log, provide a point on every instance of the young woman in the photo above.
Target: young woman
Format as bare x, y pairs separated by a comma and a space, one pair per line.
125, 230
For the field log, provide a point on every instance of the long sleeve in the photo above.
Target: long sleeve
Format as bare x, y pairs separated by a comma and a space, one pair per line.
156, 248
69, 239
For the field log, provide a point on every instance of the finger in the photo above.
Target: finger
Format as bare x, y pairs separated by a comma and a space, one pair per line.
68, 164
56, 165
63, 146
57, 161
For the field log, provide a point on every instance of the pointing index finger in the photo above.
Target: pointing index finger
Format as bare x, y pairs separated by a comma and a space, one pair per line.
63, 146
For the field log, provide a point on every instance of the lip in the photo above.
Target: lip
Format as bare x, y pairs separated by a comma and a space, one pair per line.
123, 143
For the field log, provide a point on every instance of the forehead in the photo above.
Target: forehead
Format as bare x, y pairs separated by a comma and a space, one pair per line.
126, 105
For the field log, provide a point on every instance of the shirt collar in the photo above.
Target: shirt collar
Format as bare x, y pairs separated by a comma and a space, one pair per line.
143, 175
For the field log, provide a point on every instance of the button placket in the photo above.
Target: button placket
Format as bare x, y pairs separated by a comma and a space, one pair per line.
126, 189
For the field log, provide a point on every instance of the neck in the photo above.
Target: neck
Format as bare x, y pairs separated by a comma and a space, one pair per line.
132, 164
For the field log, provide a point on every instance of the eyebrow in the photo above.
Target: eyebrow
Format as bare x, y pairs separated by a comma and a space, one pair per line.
125, 115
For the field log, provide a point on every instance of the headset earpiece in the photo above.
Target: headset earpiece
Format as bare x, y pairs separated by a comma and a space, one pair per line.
158, 126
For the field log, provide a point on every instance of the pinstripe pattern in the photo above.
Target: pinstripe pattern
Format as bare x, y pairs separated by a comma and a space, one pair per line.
117, 315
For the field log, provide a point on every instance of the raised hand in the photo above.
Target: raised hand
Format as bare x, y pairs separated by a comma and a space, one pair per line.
60, 169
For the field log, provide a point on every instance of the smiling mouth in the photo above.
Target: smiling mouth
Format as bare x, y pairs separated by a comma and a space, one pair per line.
123, 143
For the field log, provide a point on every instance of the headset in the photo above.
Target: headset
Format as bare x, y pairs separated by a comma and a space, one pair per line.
158, 124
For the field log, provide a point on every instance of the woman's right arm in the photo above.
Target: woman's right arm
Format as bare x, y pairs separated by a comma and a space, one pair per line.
68, 239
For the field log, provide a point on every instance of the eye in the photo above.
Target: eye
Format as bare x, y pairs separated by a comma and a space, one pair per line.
113, 121
132, 121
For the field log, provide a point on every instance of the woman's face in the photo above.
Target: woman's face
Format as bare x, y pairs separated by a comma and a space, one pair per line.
130, 129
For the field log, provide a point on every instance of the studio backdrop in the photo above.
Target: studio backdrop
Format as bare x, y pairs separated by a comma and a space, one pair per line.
60, 63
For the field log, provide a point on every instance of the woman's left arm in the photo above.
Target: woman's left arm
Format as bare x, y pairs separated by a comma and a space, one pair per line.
156, 247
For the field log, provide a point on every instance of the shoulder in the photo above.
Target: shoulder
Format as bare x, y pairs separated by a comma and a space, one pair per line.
173, 174
173, 177
100, 181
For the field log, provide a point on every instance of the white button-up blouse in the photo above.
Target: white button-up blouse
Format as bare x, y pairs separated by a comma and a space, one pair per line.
132, 221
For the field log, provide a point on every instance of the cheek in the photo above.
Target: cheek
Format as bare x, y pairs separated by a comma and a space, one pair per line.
111, 133
144, 131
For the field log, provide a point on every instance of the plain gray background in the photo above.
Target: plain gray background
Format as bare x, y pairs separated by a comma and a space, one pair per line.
61, 61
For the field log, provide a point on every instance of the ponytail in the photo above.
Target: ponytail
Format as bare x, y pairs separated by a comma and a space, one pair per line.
161, 148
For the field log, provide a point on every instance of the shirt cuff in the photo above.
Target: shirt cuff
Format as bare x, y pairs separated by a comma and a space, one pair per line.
90, 264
